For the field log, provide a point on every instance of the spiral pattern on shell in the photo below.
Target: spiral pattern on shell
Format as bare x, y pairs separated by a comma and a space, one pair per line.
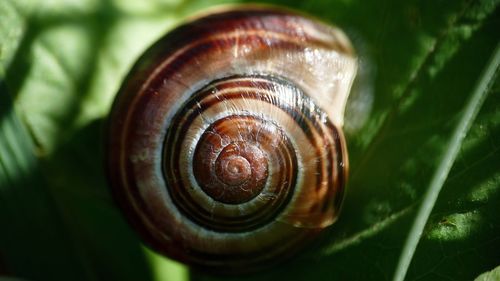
225, 148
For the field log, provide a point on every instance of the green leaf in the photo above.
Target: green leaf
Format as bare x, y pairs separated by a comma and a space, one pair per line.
62, 61
463, 223
490, 275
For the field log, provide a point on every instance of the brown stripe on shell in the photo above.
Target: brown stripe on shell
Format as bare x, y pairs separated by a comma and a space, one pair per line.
226, 29
182, 45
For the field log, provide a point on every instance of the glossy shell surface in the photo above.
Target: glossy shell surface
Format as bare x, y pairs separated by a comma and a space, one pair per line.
225, 148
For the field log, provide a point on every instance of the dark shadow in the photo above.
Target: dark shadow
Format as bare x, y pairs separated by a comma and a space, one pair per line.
113, 250
30, 216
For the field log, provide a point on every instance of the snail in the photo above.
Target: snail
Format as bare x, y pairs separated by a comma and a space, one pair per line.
225, 148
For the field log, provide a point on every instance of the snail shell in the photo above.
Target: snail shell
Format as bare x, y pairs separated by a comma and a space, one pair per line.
225, 148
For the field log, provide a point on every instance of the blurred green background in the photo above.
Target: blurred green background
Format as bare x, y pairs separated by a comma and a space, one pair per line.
62, 62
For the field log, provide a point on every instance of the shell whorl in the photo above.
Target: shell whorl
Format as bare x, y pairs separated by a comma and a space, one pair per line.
225, 142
